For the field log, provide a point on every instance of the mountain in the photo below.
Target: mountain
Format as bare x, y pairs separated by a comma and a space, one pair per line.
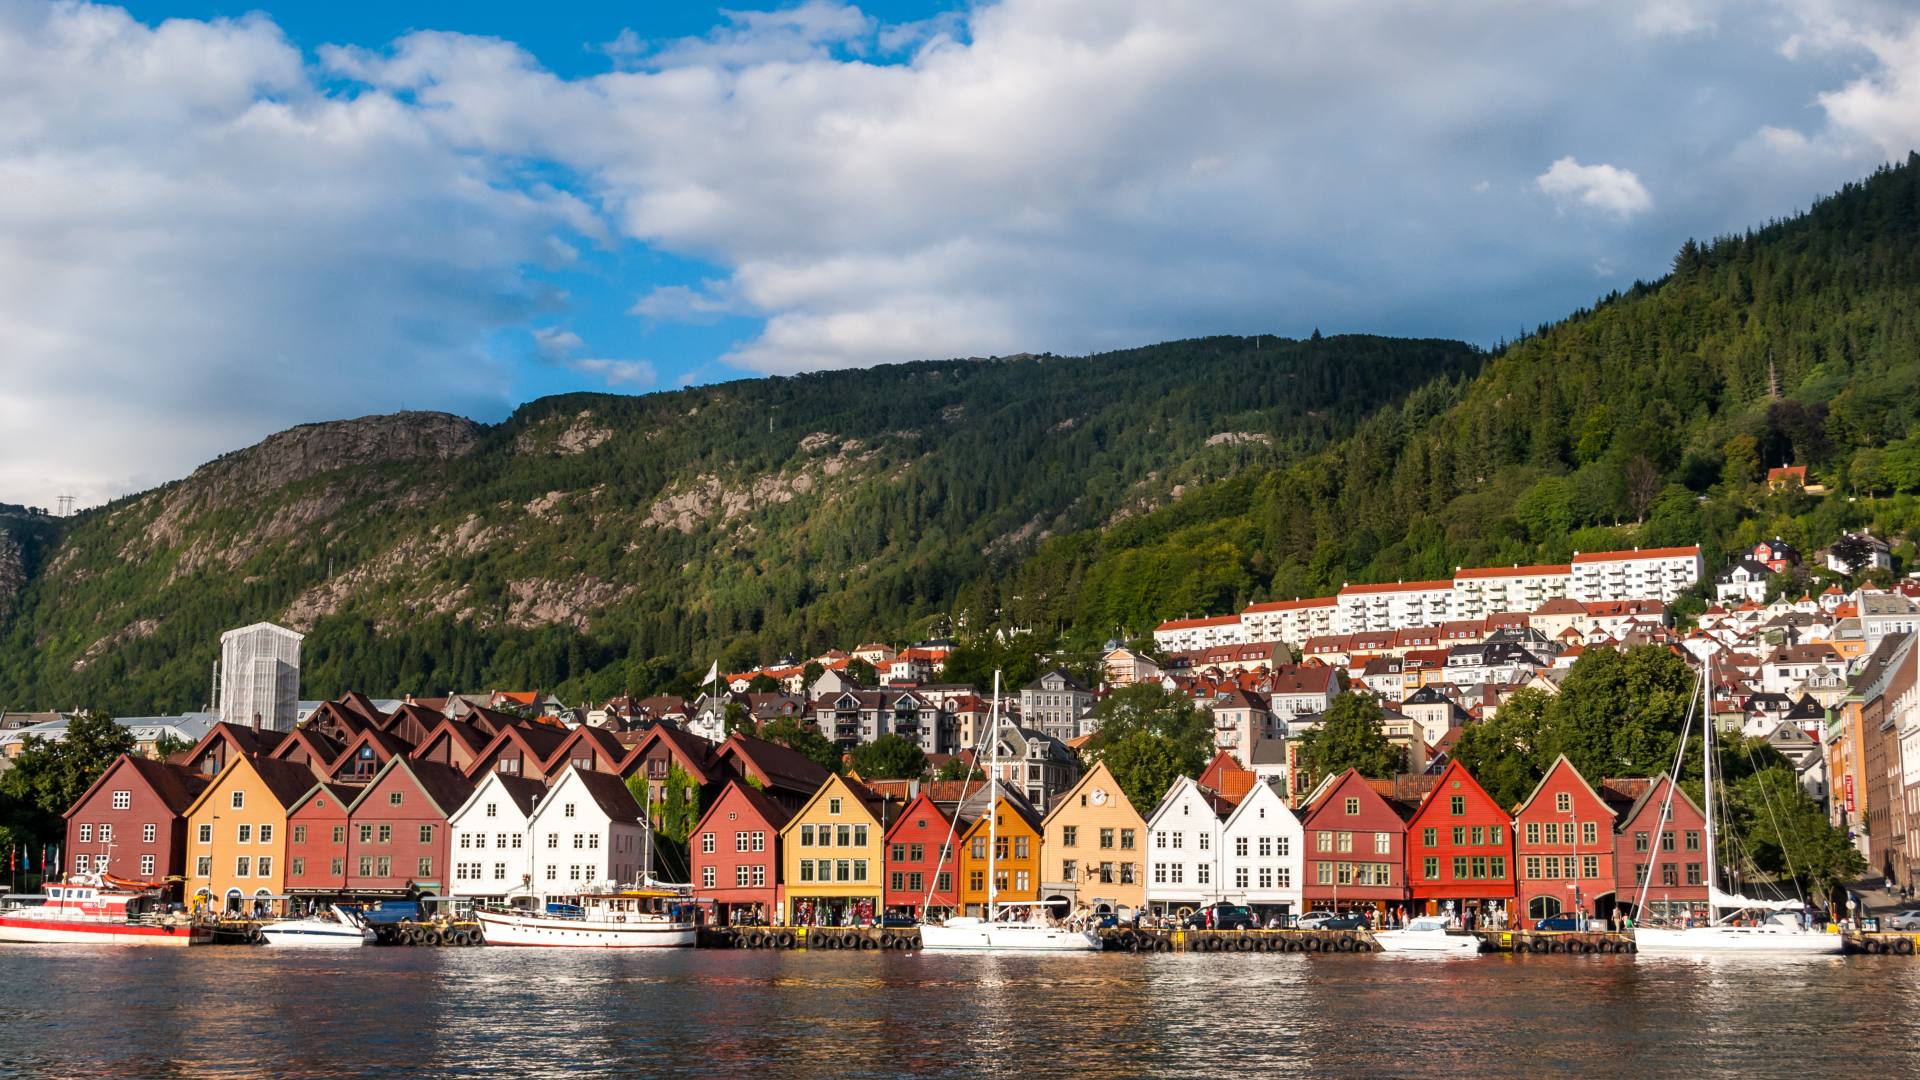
596, 543
600, 543
1648, 420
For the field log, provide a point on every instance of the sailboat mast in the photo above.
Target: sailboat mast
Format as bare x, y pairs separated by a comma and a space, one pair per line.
1706, 788
993, 800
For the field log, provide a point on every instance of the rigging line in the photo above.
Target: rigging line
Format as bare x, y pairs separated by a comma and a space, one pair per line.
953, 822
1779, 833
1666, 804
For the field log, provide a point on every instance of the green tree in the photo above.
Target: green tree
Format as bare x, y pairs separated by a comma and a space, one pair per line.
794, 735
49, 776
763, 684
954, 768
1350, 736
1618, 714
1145, 764
1787, 836
889, 757
862, 672
1504, 753
1150, 708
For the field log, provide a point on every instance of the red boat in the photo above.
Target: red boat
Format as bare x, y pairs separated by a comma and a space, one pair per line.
100, 910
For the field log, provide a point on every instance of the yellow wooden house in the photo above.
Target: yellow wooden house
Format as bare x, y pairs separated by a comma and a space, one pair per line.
831, 855
237, 836
1094, 856
1016, 856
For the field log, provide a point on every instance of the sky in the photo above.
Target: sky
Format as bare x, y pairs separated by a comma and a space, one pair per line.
218, 221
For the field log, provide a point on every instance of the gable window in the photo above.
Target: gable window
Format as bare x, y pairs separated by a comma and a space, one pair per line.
833, 806
1457, 804
239, 800
1563, 802
393, 798
1353, 807
122, 800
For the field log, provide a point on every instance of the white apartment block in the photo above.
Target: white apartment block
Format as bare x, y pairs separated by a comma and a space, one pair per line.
1493, 590
1188, 635
1387, 607
1292, 621
1650, 574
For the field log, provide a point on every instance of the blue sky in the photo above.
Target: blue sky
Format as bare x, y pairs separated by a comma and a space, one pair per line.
227, 220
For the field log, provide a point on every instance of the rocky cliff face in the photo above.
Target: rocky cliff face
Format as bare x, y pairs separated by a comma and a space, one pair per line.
13, 572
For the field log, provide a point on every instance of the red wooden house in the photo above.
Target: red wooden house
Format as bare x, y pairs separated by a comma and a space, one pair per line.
309, 747
664, 746
736, 856
411, 723
1564, 843
591, 749
223, 743
786, 776
1459, 850
131, 823
1673, 857
1356, 846
365, 755
397, 835
336, 722
317, 842
921, 859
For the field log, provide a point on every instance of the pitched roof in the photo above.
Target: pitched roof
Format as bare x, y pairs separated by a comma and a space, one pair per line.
777, 766
1224, 777
694, 753
610, 792
771, 812
286, 780
175, 785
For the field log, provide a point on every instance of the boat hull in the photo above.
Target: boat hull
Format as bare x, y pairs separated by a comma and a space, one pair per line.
1733, 940
22, 931
310, 934
534, 930
980, 936
1426, 941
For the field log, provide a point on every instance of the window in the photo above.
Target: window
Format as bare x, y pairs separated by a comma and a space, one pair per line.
978, 849
833, 806
516, 841
1668, 874
1069, 836
493, 809
204, 834
1459, 868
915, 852
1353, 807
123, 800
366, 834
1240, 847
1533, 832
149, 833
1323, 841
266, 834
1590, 866
739, 842
1479, 867
339, 834
553, 873
425, 869
383, 866
1497, 867
1457, 805
1240, 877
593, 841
1693, 873
1430, 867
741, 877
245, 834
337, 867
843, 870
86, 834
1553, 832
1346, 842
943, 883
1666, 840
1693, 840
203, 866
806, 836
1589, 832
1020, 846
243, 866
386, 834
1178, 872
860, 836
566, 810
239, 800
106, 833
499, 871
1563, 802
1382, 843
843, 836
263, 866
426, 834
1639, 841
146, 866
1429, 837
806, 872
1496, 834
299, 834
393, 798
1459, 835
977, 880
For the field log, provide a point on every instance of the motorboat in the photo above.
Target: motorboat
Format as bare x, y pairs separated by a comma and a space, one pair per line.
1012, 931
335, 928
1427, 934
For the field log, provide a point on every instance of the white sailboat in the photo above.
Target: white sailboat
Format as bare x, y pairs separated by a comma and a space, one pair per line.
1017, 928
1770, 927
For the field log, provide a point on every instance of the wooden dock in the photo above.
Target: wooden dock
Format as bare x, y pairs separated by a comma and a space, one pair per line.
1558, 941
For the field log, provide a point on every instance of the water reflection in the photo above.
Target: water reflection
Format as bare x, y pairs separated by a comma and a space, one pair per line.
425, 1012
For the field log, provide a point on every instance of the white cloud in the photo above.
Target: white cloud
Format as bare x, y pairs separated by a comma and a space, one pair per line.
679, 303
198, 248
623, 374
1600, 187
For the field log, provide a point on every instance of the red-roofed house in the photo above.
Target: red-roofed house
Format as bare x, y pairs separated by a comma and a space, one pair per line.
131, 823
1356, 846
1459, 854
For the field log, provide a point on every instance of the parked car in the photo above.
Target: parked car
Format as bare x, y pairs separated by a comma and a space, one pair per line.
1908, 920
1225, 917
898, 920
1328, 920
1564, 921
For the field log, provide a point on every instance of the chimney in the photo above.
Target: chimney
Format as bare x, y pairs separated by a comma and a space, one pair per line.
256, 722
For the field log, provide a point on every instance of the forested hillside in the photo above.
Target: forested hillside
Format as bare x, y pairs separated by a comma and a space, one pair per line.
600, 543
1648, 420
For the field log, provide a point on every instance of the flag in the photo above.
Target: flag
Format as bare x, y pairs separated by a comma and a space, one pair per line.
713, 674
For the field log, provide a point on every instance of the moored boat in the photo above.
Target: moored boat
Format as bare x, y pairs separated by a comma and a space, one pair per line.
334, 929
642, 918
89, 909
1428, 934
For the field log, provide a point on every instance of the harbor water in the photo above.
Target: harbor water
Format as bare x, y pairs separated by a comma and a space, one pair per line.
248, 1012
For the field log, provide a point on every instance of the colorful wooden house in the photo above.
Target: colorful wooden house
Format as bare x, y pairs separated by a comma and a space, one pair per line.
735, 852
1262, 854
1564, 846
521, 749
922, 860
317, 842
1356, 839
397, 836
131, 822
1668, 859
1460, 850
832, 856
1094, 854
1017, 832
488, 839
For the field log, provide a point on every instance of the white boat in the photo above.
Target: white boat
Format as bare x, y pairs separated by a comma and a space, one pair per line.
1428, 934
1768, 927
1011, 933
93, 909
625, 919
1020, 929
335, 928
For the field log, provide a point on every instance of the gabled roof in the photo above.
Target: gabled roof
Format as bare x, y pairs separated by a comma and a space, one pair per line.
286, 781
176, 786
1653, 789
775, 765
1097, 776
771, 812
344, 795
1548, 775
364, 706
523, 791
538, 743
868, 801
1256, 795
321, 747
608, 791
246, 741
1224, 777
695, 754
600, 739
447, 786
472, 738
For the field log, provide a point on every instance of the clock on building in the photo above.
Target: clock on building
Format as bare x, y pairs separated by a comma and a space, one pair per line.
1099, 796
